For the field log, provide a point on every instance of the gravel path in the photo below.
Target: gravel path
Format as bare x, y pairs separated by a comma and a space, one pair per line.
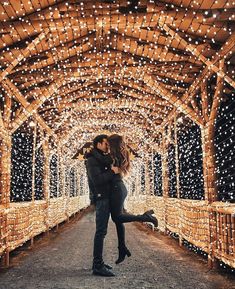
63, 261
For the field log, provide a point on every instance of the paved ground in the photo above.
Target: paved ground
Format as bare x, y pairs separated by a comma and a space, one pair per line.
63, 261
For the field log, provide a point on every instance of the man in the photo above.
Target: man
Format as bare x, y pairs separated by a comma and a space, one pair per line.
98, 165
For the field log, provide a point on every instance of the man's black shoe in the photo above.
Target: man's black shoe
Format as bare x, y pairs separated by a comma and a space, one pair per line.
103, 271
106, 265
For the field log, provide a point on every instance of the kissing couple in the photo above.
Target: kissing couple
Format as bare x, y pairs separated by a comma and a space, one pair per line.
106, 165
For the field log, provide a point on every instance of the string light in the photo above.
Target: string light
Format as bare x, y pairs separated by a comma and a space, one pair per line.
129, 69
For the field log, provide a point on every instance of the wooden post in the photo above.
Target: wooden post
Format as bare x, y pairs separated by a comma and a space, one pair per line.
33, 161
61, 167
210, 187
7, 111
5, 186
165, 181
209, 163
5, 172
208, 134
209, 167
33, 171
6, 259
177, 177
62, 176
46, 186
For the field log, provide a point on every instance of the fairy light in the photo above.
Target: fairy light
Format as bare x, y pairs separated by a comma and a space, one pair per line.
116, 87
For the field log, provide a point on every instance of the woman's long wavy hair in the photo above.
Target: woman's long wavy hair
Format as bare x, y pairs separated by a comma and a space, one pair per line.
119, 152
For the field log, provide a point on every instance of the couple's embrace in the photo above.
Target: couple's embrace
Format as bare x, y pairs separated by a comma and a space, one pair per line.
106, 165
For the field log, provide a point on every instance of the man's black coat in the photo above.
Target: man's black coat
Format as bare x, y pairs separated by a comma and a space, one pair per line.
99, 173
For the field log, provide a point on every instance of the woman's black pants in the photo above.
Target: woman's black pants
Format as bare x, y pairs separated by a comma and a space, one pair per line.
117, 198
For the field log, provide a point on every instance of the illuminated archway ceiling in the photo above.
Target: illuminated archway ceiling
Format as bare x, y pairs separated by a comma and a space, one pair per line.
87, 66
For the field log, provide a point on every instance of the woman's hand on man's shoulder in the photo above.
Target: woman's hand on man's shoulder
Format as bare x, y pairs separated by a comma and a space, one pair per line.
116, 170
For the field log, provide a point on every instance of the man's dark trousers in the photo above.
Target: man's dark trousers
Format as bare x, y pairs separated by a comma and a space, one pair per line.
102, 218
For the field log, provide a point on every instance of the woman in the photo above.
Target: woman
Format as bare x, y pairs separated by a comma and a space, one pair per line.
121, 159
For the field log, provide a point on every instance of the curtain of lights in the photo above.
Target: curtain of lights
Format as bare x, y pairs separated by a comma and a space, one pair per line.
157, 165
67, 181
21, 165
132, 188
39, 174
224, 144
150, 169
53, 177
142, 179
61, 180
82, 185
190, 163
171, 171
72, 182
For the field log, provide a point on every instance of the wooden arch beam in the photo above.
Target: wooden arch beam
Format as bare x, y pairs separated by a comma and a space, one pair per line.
113, 103
2, 126
40, 99
113, 21
159, 89
65, 139
23, 54
134, 90
14, 92
62, 54
150, 93
198, 54
225, 49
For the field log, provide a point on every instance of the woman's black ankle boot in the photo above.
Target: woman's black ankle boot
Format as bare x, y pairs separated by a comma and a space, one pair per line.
149, 218
123, 252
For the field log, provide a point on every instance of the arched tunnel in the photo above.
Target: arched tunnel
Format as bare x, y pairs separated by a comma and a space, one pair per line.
158, 73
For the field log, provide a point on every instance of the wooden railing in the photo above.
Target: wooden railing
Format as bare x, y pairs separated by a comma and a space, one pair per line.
187, 218
3, 230
224, 232
23, 221
190, 220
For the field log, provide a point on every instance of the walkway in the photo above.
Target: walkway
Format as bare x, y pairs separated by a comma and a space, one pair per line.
64, 262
